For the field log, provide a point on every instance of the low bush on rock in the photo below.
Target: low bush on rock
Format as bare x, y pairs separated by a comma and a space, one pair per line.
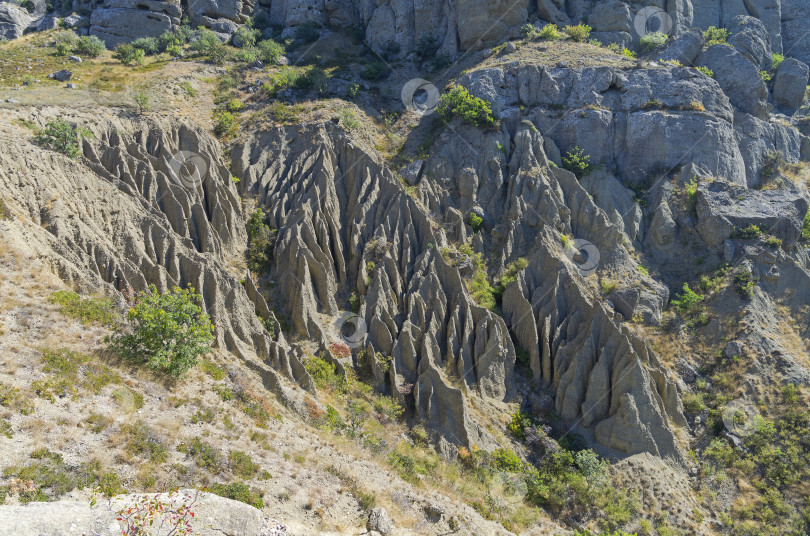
653, 40
716, 36
577, 162
59, 135
579, 32
458, 102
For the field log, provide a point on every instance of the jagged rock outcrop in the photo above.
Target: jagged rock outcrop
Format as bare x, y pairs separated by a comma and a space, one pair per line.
337, 210
13, 20
130, 213
213, 515
120, 22
723, 209
575, 344
640, 122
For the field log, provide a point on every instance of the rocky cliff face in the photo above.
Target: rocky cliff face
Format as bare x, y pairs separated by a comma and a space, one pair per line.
149, 222
453, 26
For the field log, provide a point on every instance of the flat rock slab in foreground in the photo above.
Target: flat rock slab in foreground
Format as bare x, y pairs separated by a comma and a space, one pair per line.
214, 516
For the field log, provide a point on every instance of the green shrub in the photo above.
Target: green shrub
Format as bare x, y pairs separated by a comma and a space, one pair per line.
285, 114
480, 289
285, 78
608, 287
747, 233
578, 33
439, 62
744, 282
705, 70
475, 221
773, 242
128, 54
773, 163
260, 243
550, 32
324, 374
149, 45
238, 491
506, 460
242, 465
167, 331
172, 39
204, 41
461, 103
517, 427
204, 455
806, 228
88, 310
349, 118
528, 31
776, 61
246, 54
375, 71
687, 300
14, 399
51, 477
90, 46
314, 78
693, 403
716, 36
245, 37
65, 42
307, 33
141, 99
653, 40
627, 53
224, 123
577, 162
218, 54
270, 51
143, 442
61, 136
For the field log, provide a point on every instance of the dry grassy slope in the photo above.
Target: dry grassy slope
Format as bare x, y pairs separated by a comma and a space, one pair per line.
302, 489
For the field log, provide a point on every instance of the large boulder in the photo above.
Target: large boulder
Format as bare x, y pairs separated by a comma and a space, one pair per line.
213, 516
790, 84
738, 77
551, 11
13, 21
769, 12
750, 37
685, 48
723, 208
118, 22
